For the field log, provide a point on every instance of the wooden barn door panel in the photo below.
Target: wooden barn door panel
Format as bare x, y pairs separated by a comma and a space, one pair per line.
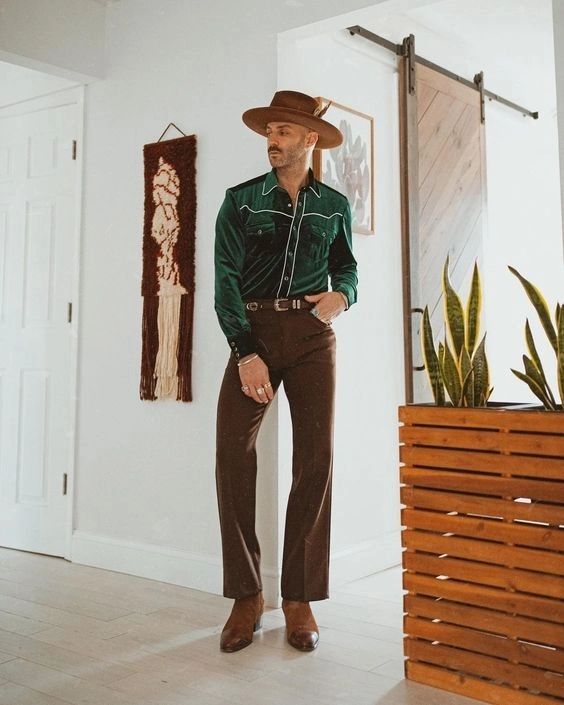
443, 202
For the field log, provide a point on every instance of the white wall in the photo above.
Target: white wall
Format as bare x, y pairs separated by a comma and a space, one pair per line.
558, 34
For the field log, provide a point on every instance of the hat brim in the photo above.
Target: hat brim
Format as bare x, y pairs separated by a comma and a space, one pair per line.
258, 118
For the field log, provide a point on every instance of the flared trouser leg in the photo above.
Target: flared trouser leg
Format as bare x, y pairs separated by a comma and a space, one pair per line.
238, 422
310, 388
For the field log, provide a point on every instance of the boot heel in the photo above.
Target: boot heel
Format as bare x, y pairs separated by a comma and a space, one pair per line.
258, 623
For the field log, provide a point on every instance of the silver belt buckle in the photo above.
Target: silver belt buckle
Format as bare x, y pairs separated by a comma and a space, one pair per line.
277, 305
252, 305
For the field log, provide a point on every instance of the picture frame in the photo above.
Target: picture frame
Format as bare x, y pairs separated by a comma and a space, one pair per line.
349, 168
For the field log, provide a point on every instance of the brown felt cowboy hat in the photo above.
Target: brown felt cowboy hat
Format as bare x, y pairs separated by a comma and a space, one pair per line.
299, 108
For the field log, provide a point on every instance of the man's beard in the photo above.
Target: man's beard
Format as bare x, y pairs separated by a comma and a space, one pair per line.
290, 156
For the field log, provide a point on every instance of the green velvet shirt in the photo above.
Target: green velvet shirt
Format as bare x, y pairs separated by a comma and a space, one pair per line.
265, 249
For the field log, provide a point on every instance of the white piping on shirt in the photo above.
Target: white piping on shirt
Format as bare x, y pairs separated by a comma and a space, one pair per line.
286, 253
296, 248
324, 216
269, 190
264, 210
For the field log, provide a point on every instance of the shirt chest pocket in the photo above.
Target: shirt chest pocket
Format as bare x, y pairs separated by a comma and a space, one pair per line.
260, 238
319, 239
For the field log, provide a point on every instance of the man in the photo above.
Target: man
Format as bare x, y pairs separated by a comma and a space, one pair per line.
278, 238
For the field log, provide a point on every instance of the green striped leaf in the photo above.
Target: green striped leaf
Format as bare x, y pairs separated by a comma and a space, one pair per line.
454, 313
535, 389
532, 372
473, 308
536, 361
539, 302
481, 374
451, 377
466, 374
431, 360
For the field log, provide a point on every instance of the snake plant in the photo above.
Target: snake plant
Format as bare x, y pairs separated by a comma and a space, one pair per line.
534, 374
459, 366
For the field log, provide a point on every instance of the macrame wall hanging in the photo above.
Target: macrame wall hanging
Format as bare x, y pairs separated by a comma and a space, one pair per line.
167, 288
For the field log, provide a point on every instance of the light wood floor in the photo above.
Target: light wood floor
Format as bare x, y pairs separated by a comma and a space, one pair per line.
81, 635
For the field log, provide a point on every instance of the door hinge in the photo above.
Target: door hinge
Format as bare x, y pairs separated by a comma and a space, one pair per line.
69, 316
65, 482
74, 149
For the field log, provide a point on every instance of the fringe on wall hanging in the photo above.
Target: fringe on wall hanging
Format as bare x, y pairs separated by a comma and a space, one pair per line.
167, 287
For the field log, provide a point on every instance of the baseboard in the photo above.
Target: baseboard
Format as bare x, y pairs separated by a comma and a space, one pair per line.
365, 558
205, 572
169, 565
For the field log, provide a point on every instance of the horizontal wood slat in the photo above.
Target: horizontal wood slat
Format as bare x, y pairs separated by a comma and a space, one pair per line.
490, 529
534, 630
482, 642
474, 460
496, 669
546, 490
482, 506
511, 602
483, 529
487, 551
485, 574
486, 691
502, 419
521, 443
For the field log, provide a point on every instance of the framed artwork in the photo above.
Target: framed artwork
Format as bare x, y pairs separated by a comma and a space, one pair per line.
349, 167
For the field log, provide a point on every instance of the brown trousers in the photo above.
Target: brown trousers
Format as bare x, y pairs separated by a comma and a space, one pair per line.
300, 351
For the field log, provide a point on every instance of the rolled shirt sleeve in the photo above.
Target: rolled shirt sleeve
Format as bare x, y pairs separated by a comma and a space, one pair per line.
342, 263
229, 256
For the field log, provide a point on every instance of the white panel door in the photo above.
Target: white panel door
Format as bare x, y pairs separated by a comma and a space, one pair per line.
38, 208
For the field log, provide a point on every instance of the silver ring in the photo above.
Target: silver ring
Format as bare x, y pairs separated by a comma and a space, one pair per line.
245, 387
268, 384
260, 390
315, 312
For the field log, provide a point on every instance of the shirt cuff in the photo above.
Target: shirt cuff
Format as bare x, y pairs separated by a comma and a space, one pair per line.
242, 345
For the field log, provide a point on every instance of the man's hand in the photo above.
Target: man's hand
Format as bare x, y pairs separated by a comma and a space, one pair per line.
255, 375
329, 304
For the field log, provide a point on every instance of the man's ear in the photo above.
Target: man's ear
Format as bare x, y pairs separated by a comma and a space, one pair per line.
312, 138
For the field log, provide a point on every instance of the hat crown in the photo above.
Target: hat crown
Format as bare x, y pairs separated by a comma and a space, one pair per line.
296, 101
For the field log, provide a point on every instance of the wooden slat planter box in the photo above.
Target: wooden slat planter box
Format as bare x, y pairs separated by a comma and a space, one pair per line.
483, 518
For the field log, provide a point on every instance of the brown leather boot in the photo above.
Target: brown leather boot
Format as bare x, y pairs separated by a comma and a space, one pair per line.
302, 631
244, 620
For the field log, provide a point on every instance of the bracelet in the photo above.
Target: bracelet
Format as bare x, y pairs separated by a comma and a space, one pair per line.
246, 362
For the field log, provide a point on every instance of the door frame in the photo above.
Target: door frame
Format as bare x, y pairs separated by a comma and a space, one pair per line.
66, 96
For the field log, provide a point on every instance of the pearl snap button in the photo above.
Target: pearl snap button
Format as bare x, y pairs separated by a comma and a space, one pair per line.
260, 232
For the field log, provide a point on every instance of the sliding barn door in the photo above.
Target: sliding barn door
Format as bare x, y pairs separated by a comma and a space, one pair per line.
443, 202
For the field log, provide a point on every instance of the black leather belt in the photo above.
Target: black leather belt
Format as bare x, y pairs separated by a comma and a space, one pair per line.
278, 304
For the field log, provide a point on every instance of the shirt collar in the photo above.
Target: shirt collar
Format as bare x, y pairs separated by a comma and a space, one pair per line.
271, 182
